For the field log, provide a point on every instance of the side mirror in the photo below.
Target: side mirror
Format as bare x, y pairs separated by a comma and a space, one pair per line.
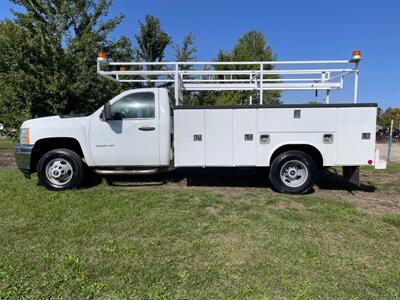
106, 115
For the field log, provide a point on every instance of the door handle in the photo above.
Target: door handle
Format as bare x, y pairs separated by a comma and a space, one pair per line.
147, 128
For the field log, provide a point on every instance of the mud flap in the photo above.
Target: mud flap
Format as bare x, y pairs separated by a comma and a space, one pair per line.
352, 174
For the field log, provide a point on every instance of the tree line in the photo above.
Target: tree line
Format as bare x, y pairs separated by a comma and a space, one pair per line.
384, 118
49, 51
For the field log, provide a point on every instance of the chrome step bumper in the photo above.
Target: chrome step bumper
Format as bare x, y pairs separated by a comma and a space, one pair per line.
23, 159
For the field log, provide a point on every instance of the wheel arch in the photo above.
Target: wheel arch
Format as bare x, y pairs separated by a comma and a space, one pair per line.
44, 145
306, 148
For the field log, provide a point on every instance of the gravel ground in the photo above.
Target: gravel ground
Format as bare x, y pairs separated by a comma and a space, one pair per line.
395, 153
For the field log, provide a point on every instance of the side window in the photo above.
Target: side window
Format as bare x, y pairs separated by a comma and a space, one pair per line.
134, 106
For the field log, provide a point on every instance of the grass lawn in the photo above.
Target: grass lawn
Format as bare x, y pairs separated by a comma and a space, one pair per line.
116, 242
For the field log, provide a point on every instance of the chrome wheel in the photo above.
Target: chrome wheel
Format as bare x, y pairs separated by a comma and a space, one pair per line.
59, 171
294, 173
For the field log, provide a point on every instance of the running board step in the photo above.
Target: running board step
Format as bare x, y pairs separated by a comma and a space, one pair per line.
125, 172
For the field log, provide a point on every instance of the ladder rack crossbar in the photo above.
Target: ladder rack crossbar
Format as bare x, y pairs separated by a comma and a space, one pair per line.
216, 63
234, 72
220, 81
268, 87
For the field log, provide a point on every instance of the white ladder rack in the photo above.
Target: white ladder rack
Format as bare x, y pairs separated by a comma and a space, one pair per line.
236, 76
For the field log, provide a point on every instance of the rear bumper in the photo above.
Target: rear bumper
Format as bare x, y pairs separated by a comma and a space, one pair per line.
23, 159
379, 163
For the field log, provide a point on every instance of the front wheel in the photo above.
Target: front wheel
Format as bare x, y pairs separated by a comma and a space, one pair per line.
293, 172
60, 169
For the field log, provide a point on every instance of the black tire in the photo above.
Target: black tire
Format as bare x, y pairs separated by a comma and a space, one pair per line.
293, 172
60, 161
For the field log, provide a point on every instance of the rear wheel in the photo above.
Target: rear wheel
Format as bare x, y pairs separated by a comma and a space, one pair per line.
60, 169
293, 172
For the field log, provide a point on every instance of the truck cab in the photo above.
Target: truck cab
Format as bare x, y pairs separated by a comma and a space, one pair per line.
135, 134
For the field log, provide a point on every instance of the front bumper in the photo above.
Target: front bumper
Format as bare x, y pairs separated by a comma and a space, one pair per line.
23, 159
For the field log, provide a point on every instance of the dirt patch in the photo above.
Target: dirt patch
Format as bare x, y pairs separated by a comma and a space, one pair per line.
376, 202
212, 210
379, 192
290, 204
230, 239
7, 159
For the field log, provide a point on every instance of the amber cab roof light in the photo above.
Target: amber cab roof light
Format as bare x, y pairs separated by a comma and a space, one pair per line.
101, 56
356, 56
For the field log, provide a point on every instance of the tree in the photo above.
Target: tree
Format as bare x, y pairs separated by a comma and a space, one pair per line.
186, 52
385, 118
379, 113
152, 41
251, 46
48, 63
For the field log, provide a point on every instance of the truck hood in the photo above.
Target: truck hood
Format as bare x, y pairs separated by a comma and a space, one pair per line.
52, 121
40, 121
58, 127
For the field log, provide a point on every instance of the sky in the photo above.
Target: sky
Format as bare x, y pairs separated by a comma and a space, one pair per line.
296, 30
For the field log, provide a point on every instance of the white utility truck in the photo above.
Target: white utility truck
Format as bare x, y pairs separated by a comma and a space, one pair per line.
147, 130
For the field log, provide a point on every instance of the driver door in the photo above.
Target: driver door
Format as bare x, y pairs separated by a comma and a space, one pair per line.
131, 138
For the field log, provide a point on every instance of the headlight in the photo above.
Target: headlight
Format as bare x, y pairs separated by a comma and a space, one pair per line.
24, 136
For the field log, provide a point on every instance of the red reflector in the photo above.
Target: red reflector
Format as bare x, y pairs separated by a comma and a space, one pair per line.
370, 162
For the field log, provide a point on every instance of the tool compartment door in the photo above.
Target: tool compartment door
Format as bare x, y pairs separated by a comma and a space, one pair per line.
189, 137
356, 136
218, 137
244, 137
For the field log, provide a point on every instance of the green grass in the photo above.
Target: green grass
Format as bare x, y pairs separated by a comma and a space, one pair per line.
392, 220
157, 243
392, 167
